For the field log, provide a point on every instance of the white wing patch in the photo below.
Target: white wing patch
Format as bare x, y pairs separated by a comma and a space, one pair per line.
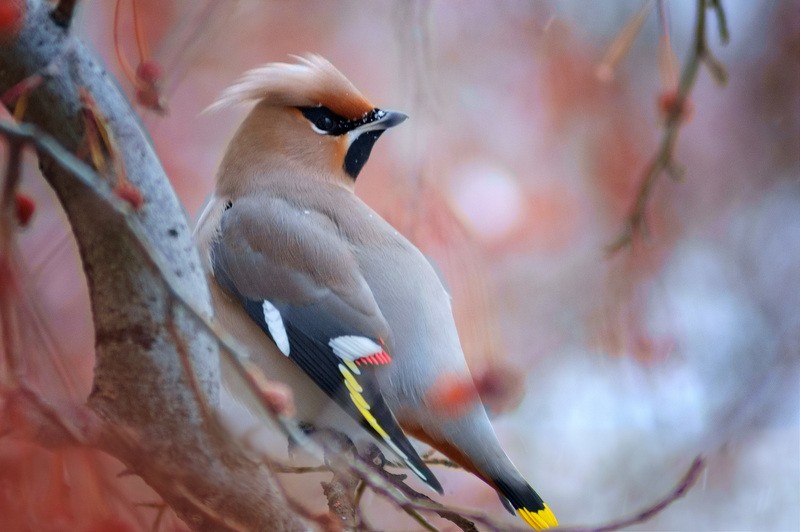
275, 325
352, 348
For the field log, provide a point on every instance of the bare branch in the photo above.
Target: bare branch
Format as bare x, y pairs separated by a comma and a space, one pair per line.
676, 110
683, 486
444, 462
140, 382
722, 20
340, 492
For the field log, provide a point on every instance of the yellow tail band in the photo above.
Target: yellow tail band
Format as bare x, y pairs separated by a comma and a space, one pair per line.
539, 520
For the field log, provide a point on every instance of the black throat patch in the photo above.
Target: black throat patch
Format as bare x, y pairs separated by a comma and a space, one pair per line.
359, 152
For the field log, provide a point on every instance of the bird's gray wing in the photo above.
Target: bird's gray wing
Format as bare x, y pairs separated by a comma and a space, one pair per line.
298, 280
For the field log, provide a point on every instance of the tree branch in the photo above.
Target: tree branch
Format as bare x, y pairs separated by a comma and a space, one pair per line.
154, 420
684, 485
63, 12
676, 113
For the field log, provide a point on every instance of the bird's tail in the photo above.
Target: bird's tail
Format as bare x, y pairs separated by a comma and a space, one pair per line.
479, 452
526, 502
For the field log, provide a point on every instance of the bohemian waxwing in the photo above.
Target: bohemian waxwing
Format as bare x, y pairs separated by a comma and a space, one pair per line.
326, 295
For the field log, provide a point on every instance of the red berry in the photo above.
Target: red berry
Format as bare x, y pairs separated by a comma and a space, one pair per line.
25, 207
500, 387
670, 103
149, 72
452, 395
12, 15
279, 398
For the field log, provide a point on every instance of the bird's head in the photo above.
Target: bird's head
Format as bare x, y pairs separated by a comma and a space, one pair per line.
308, 114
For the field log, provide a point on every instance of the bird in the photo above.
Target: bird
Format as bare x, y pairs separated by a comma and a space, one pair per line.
328, 297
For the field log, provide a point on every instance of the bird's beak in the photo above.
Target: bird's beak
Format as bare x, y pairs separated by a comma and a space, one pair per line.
384, 119
361, 138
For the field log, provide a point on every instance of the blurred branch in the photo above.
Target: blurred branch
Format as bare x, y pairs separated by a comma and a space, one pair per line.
622, 43
676, 105
63, 12
683, 486
298, 470
444, 462
341, 493
722, 20
445, 513
343, 496
375, 456
46, 424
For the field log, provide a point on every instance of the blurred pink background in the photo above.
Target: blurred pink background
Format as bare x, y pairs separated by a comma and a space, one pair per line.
514, 172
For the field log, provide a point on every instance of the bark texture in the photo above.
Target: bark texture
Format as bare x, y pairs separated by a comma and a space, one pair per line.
146, 340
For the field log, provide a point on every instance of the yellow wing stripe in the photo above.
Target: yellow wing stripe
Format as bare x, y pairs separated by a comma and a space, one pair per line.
374, 423
352, 366
353, 384
352, 389
363, 407
361, 404
539, 520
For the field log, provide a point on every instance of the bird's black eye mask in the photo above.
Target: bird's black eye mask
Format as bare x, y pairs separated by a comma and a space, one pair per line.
327, 122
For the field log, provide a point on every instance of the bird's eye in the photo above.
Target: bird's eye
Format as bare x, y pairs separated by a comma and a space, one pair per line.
324, 123
324, 120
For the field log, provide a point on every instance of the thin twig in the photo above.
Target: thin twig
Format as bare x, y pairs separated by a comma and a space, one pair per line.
9, 329
359, 495
160, 507
12, 173
683, 486
141, 43
17, 95
663, 160
324, 520
127, 69
722, 20
428, 454
73, 434
622, 43
162, 511
375, 456
444, 462
298, 470
222, 521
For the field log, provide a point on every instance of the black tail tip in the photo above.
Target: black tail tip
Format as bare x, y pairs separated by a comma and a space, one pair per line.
427, 476
527, 503
433, 482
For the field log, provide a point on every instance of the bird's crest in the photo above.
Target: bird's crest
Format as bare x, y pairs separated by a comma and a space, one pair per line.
312, 81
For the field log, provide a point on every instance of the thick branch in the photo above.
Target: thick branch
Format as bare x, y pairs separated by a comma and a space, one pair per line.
141, 387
